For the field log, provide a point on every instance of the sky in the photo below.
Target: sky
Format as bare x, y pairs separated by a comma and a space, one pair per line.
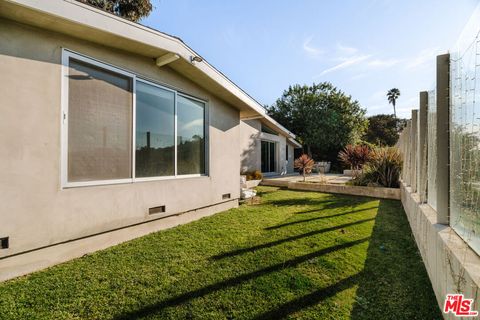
364, 47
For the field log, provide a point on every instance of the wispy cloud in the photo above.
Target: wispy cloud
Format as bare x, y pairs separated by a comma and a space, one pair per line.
310, 49
348, 62
346, 50
423, 58
383, 63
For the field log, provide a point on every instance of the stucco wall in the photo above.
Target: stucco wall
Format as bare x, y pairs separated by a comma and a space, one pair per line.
250, 141
35, 210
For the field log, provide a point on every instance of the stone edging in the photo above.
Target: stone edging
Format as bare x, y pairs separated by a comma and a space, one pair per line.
375, 192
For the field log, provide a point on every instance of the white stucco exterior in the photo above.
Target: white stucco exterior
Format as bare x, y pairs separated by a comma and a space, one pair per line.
48, 222
251, 136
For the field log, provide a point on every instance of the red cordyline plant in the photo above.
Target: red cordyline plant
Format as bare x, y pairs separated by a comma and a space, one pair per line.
305, 164
355, 156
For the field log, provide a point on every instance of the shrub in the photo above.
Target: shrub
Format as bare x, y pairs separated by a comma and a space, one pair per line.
304, 164
354, 156
253, 175
257, 175
382, 169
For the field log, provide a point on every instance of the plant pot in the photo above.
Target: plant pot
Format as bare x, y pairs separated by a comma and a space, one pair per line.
352, 173
252, 183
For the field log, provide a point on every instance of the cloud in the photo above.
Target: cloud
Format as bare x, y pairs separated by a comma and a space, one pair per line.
311, 50
383, 63
423, 58
192, 124
348, 62
346, 50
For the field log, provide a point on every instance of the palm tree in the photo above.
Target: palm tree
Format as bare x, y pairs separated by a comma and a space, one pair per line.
392, 96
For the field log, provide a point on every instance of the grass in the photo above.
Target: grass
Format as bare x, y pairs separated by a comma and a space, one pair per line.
296, 255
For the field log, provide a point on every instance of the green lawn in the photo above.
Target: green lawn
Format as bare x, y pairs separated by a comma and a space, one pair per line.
296, 255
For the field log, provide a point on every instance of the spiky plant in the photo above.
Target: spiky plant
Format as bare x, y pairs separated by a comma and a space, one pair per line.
304, 164
354, 156
382, 169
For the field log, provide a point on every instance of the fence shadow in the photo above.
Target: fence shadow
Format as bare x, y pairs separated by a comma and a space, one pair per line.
394, 278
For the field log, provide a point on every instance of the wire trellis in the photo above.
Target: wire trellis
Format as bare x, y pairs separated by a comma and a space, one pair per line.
465, 144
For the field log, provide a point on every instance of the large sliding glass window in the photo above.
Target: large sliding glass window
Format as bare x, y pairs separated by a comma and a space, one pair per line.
155, 131
99, 124
191, 136
104, 106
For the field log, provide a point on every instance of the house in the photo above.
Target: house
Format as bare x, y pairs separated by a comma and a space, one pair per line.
109, 130
266, 146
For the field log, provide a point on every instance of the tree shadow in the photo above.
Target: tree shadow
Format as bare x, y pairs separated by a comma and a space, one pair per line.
153, 309
394, 282
292, 238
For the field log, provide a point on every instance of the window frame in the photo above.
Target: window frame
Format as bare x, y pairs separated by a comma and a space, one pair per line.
66, 56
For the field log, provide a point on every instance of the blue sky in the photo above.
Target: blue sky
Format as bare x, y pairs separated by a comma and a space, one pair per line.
363, 47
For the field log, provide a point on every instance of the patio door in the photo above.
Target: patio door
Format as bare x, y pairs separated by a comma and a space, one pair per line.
269, 159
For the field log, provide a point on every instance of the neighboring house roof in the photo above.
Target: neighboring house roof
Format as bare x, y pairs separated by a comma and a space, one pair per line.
82, 21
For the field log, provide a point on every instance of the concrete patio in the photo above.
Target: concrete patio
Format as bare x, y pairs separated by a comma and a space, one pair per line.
325, 178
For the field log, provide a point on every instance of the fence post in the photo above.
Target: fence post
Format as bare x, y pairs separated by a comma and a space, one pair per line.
443, 104
413, 157
406, 161
422, 146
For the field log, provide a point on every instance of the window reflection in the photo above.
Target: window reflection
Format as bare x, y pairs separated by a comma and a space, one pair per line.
155, 137
191, 136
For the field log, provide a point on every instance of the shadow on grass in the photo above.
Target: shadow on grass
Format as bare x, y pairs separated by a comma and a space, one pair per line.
278, 226
393, 283
183, 298
277, 242
310, 299
321, 209
307, 202
263, 192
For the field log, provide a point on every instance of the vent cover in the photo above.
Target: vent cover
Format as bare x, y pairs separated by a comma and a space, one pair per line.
155, 210
226, 196
4, 243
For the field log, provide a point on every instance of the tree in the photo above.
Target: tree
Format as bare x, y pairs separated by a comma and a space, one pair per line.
324, 118
384, 129
133, 10
392, 96
304, 164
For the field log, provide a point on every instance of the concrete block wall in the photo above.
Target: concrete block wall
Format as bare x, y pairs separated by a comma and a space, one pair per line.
450, 263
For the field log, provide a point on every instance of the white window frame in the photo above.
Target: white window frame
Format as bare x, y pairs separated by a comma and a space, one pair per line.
66, 56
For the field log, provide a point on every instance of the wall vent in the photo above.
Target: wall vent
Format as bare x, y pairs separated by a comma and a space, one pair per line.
155, 210
226, 196
4, 243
